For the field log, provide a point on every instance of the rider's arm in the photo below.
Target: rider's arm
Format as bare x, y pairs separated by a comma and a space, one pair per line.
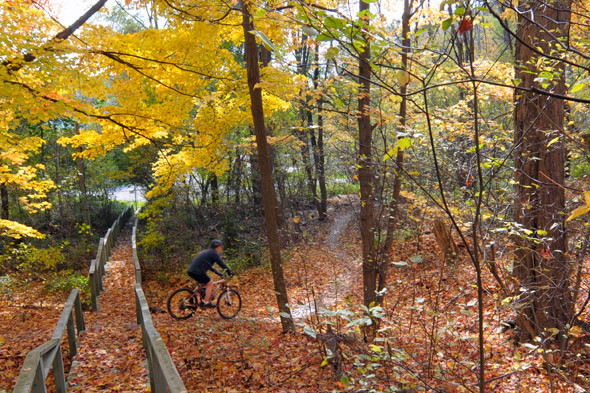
223, 266
216, 272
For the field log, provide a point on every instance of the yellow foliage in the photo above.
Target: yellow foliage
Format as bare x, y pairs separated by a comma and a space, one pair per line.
17, 231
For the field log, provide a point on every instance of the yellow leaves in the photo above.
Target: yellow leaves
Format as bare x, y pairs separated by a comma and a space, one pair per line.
403, 77
18, 231
582, 209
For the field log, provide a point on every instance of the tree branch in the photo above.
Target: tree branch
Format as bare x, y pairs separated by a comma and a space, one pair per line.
15, 65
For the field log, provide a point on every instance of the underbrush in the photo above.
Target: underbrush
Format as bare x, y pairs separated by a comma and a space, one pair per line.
170, 233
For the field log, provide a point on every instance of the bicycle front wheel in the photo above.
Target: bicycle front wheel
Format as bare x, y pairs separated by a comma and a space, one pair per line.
182, 303
229, 303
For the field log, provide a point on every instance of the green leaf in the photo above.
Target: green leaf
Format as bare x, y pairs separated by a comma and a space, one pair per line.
324, 362
331, 53
324, 37
578, 86
460, 11
344, 380
447, 23
552, 141
419, 32
265, 40
334, 23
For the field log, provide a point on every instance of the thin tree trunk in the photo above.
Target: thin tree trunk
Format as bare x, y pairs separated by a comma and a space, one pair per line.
268, 191
82, 183
5, 202
214, 189
365, 175
320, 153
385, 252
322, 166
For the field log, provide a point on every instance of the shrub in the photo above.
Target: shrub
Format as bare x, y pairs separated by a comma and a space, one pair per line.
33, 260
7, 285
64, 281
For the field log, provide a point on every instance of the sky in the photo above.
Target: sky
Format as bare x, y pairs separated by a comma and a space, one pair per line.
68, 11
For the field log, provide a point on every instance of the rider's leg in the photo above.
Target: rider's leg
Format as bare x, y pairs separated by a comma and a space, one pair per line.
208, 291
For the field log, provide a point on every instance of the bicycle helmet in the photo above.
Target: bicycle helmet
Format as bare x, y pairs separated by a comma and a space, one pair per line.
215, 243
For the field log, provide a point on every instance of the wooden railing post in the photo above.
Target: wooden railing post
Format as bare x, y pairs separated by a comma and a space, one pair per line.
94, 287
58, 371
39, 380
163, 374
79, 316
49, 355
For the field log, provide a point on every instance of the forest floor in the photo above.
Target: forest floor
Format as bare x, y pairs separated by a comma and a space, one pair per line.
427, 342
110, 354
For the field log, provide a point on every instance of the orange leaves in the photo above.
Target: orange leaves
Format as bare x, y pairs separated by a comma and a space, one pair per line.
465, 26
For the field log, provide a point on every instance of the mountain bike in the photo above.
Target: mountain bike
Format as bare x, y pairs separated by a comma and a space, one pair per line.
183, 302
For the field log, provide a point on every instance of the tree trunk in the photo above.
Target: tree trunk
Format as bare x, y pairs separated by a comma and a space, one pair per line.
214, 190
392, 218
365, 176
321, 155
82, 183
269, 198
540, 262
255, 177
5, 202
322, 165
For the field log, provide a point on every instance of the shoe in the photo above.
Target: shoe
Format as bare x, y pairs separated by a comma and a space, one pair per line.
207, 305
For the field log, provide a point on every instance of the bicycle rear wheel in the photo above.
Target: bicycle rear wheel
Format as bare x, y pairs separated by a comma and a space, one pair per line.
229, 303
182, 303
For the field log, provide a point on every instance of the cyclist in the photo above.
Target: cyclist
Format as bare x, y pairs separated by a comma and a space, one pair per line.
202, 263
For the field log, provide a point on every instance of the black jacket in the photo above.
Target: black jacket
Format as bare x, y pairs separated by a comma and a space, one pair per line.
203, 262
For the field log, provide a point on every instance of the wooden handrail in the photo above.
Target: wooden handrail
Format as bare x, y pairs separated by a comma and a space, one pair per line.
105, 245
48, 355
163, 374
135, 257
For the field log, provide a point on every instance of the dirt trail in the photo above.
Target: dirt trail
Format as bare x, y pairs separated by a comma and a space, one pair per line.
341, 259
111, 356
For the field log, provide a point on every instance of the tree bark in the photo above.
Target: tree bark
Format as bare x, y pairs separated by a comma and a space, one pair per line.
365, 176
269, 198
319, 153
82, 183
5, 202
392, 218
322, 165
540, 262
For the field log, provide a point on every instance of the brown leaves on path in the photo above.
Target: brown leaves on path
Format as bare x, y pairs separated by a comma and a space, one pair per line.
25, 323
111, 355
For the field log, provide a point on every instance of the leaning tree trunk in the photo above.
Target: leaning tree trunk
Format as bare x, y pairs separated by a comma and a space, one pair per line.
540, 262
269, 198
